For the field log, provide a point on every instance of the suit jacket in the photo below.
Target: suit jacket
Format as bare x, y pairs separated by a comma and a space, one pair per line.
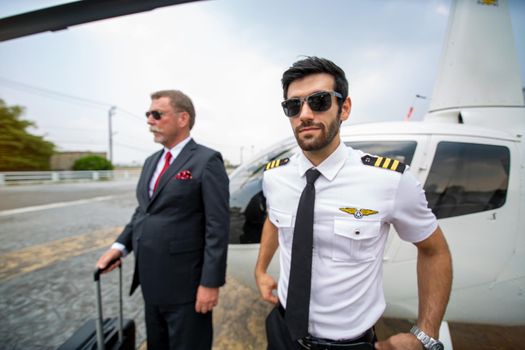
180, 234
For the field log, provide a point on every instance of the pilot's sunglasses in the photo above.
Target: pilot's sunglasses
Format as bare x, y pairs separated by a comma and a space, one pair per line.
155, 114
319, 102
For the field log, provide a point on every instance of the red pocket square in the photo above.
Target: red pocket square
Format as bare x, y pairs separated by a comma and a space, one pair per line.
184, 175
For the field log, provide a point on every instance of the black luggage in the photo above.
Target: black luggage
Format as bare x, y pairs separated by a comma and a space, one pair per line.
103, 334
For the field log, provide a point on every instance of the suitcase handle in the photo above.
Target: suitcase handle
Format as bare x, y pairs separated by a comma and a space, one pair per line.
98, 271
100, 317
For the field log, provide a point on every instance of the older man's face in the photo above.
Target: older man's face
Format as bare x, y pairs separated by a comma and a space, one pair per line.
168, 130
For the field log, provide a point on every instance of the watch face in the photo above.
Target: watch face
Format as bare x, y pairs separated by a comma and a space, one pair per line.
438, 346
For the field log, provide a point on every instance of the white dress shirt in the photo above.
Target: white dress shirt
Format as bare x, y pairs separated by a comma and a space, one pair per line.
347, 291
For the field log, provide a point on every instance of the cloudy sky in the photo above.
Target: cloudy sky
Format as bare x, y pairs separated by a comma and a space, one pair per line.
228, 56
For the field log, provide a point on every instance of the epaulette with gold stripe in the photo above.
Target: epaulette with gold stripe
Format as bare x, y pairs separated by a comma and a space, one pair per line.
276, 163
385, 163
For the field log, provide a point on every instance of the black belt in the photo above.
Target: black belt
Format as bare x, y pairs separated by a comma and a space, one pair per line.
364, 342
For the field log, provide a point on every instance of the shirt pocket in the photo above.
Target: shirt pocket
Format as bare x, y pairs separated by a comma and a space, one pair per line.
284, 223
356, 240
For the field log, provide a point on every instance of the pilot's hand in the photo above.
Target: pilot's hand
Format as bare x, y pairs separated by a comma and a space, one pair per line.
207, 299
107, 257
266, 285
401, 341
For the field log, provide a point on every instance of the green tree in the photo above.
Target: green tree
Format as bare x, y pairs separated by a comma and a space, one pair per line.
20, 150
92, 163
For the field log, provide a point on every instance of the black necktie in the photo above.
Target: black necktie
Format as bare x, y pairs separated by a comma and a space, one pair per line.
299, 285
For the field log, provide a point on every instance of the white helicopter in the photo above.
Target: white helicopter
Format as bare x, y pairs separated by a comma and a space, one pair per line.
469, 154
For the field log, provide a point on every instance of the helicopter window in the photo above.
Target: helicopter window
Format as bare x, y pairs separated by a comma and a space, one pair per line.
247, 202
253, 170
400, 150
467, 178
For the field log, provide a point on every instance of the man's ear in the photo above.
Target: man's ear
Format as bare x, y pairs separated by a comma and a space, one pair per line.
184, 119
345, 109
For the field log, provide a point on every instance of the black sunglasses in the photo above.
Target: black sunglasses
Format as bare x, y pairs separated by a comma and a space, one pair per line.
155, 114
319, 102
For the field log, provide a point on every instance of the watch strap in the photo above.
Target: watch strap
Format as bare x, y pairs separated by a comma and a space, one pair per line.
427, 341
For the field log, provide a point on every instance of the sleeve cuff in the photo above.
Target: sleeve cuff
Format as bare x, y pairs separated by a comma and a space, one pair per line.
120, 247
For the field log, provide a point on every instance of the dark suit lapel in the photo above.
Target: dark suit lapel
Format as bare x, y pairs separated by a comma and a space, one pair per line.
184, 155
149, 169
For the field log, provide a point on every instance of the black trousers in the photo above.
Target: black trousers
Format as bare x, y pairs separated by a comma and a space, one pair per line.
178, 327
277, 333
279, 337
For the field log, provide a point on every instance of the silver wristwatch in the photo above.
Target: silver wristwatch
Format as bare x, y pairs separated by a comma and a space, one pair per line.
428, 342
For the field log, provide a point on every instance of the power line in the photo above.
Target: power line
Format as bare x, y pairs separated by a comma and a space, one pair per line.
61, 96
131, 114
94, 143
131, 139
53, 127
73, 142
54, 94
135, 148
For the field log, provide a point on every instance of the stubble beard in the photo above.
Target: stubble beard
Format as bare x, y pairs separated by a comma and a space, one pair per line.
312, 143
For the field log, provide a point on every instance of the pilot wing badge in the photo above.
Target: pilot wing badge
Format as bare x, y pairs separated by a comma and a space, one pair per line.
359, 213
383, 162
276, 163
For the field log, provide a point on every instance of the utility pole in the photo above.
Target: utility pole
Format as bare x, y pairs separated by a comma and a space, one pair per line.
111, 112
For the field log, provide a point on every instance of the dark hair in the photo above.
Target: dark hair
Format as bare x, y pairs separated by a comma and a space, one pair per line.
178, 101
313, 65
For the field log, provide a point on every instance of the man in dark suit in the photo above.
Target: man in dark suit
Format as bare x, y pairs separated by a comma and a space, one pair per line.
179, 231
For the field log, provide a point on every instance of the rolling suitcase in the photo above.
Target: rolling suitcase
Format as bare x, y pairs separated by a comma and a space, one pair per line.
103, 334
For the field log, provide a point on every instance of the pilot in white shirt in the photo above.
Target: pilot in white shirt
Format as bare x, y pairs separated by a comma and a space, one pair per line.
355, 205
354, 200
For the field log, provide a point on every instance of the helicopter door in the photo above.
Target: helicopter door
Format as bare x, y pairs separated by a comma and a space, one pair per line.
473, 190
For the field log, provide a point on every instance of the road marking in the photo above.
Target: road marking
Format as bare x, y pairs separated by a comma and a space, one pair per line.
53, 205
29, 259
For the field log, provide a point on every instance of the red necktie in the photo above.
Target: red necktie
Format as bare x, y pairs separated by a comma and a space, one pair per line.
167, 159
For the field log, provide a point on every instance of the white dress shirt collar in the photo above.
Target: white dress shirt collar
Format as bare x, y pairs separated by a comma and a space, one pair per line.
175, 150
328, 167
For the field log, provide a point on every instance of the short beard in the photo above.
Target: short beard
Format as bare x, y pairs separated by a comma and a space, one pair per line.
323, 140
159, 138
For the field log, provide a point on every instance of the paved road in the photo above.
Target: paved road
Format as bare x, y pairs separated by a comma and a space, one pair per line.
47, 257
12, 197
47, 254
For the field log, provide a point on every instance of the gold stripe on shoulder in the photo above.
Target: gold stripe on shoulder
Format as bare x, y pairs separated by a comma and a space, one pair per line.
394, 165
384, 163
276, 163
